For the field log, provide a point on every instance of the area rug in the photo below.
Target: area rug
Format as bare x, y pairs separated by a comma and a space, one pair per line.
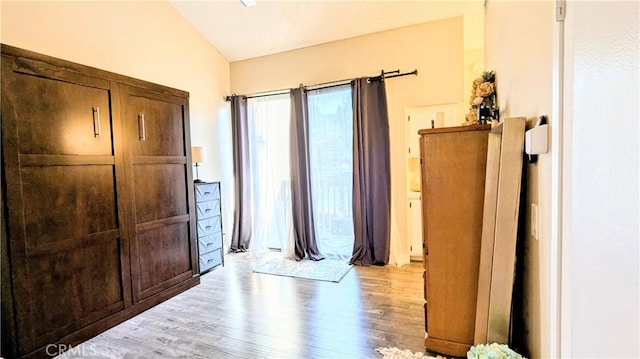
396, 353
328, 269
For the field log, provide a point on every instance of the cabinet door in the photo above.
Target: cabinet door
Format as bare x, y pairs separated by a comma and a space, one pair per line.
414, 229
60, 150
157, 138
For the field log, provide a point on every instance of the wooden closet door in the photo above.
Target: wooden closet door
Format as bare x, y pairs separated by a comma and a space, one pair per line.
159, 163
63, 165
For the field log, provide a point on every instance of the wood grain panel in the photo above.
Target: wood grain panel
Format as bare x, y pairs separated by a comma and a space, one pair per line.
453, 173
63, 202
160, 191
154, 160
163, 214
64, 160
80, 286
62, 122
163, 127
163, 253
162, 222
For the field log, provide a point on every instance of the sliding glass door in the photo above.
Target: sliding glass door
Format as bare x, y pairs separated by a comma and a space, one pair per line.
270, 174
331, 167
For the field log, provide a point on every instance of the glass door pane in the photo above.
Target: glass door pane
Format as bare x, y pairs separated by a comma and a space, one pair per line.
270, 174
331, 166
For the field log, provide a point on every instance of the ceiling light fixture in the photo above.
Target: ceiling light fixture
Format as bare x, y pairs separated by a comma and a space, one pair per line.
248, 3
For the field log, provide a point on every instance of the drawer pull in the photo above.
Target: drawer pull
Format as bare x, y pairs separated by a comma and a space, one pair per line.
141, 130
209, 227
207, 193
209, 260
96, 122
207, 210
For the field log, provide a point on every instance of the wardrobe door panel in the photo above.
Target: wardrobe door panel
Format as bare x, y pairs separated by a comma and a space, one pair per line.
63, 117
66, 243
163, 252
81, 286
66, 202
158, 125
161, 191
164, 255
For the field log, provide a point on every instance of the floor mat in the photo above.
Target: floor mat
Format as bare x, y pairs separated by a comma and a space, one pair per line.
328, 269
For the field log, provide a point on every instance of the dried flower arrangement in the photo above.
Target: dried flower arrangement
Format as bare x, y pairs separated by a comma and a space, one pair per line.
484, 107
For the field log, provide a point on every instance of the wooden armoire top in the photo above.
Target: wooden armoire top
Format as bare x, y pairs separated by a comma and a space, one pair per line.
431, 131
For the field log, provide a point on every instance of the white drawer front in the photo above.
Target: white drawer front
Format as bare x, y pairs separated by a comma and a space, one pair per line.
208, 243
207, 192
208, 209
210, 260
209, 226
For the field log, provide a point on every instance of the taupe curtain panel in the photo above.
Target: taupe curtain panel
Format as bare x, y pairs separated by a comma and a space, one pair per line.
371, 173
304, 232
241, 236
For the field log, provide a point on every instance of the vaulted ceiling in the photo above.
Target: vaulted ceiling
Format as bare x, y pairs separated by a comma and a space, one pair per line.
273, 26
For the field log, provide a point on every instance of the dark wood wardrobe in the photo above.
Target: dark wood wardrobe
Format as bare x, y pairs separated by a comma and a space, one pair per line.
97, 201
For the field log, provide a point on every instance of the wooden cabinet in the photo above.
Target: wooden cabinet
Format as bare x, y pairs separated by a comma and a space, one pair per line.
98, 222
453, 180
209, 226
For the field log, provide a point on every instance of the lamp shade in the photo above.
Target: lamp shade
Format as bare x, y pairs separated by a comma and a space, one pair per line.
198, 154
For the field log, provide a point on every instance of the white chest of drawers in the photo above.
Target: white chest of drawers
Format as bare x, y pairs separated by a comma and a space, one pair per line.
209, 227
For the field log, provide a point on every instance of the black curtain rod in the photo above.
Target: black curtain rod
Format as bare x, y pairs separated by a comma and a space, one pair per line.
378, 78
326, 85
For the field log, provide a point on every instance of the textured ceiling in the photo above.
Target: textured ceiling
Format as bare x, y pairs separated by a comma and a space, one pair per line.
273, 26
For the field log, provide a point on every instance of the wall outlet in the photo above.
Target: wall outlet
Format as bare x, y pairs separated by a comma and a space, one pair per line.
534, 220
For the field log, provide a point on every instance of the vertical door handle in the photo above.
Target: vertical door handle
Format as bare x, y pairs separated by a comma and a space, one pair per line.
141, 130
96, 122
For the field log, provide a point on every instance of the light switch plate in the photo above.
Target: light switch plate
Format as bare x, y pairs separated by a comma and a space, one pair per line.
534, 220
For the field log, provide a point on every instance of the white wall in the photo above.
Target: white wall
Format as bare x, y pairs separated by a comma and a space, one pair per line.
518, 47
435, 49
601, 251
145, 40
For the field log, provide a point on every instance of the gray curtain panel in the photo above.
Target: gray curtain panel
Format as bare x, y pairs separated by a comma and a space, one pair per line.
242, 216
305, 244
371, 174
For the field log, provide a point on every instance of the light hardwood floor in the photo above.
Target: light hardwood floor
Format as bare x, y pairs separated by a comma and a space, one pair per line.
235, 313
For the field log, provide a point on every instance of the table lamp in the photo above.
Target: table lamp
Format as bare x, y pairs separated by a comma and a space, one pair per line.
198, 155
